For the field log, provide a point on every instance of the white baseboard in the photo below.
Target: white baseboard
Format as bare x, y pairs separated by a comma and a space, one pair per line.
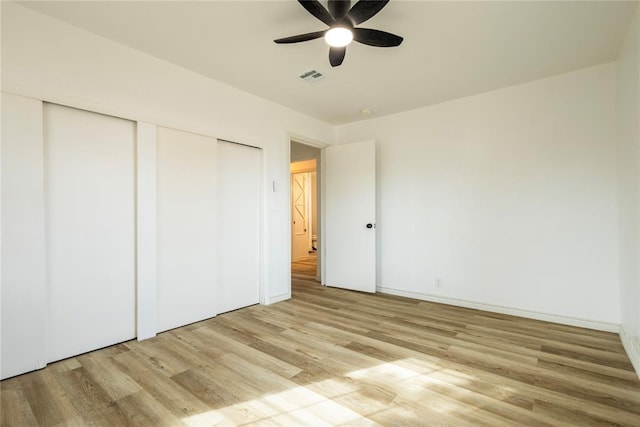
277, 298
632, 347
564, 320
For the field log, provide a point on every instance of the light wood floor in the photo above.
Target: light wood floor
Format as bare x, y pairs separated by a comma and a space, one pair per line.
331, 357
305, 269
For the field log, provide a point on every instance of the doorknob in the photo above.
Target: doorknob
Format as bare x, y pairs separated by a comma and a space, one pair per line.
369, 225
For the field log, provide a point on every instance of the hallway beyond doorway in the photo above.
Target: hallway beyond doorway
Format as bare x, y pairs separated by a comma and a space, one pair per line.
305, 269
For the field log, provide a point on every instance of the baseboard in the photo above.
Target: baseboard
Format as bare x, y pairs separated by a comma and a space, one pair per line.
563, 320
632, 347
277, 298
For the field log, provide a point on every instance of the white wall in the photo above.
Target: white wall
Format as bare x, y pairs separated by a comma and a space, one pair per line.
508, 197
628, 114
46, 59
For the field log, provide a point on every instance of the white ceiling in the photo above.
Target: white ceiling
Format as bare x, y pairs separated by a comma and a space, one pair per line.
451, 49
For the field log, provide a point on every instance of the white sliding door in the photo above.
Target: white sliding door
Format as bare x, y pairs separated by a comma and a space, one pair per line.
90, 230
186, 221
239, 199
24, 293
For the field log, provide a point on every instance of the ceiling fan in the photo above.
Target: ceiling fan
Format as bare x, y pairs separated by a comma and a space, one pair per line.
342, 20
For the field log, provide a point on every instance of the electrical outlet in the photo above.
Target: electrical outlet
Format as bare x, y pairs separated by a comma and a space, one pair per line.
438, 283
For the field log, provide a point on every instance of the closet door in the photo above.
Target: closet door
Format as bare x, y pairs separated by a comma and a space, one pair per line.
186, 221
239, 200
90, 226
24, 294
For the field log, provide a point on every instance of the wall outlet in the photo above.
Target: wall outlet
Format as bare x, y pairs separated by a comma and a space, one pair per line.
438, 282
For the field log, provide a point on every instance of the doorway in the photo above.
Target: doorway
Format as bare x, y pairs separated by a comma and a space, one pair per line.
305, 212
303, 209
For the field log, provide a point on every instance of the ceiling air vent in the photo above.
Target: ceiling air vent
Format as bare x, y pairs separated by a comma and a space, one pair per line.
312, 76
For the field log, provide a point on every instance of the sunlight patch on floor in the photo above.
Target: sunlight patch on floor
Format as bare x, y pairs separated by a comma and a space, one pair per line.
295, 406
209, 418
417, 365
414, 384
333, 388
384, 373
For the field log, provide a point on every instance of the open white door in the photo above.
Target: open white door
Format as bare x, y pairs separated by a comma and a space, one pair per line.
350, 247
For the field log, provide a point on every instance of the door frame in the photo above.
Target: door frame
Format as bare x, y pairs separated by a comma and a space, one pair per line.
320, 176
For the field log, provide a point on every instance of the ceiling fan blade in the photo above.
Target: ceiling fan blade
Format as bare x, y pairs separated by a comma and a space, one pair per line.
365, 9
316, 9
301, 37
339, 8
336, 55
376, 38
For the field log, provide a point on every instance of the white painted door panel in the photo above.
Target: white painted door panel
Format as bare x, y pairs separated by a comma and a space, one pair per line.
239, 199
23, 311
350, 206
90, 229
186, 221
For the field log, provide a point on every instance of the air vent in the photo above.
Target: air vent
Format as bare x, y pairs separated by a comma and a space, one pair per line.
312, 76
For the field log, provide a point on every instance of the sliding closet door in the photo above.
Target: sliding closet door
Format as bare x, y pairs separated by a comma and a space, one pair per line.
186, 221
24, 303
239, 190
90, 214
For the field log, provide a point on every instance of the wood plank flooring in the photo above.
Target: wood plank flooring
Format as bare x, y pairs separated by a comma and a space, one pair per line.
305, 269
334, 357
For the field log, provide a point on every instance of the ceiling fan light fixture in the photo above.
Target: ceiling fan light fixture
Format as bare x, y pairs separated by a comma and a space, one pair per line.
338, 37
342, 20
